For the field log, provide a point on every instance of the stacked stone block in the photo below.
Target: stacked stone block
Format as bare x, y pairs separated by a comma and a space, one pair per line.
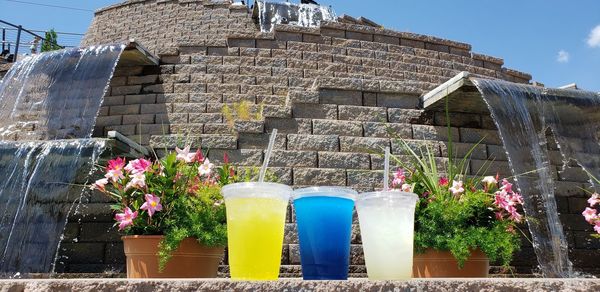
337, 94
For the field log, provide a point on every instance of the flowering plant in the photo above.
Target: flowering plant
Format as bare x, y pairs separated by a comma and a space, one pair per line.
591, 213
456, 212
177, 196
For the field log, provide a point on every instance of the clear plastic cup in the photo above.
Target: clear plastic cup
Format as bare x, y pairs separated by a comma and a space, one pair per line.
387, 230
255, 225
324, 218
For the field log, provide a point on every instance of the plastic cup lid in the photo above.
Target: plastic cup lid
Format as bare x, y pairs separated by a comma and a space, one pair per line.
337, 192
391, 194
257, 190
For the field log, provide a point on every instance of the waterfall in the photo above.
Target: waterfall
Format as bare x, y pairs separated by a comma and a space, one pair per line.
524, 114
56, 95
37, 194
306, 15
48, 107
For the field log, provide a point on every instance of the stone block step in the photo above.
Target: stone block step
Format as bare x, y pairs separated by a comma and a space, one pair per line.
210, 141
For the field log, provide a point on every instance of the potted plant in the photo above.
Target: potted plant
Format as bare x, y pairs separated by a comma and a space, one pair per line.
461, 222
171, 212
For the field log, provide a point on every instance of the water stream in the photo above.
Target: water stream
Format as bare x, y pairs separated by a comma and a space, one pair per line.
524, 114
306, 15
48, 107
56, 95
39, 189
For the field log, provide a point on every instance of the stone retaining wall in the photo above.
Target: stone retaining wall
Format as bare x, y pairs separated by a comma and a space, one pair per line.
299, 285
334, 93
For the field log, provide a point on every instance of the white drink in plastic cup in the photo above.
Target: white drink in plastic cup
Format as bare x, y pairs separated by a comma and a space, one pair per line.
386, 221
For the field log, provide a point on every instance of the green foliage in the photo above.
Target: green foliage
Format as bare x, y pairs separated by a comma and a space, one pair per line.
51, 41
456, 223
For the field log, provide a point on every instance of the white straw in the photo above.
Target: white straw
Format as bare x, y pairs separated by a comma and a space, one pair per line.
386, 170
263, 169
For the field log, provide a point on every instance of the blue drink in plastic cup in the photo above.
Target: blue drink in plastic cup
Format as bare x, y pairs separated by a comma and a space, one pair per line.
324, 218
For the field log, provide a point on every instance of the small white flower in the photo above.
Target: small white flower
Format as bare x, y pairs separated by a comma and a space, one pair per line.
99, 184
205, 168
114, 175
185, 155
406, 188
489, 180
138, 180
457, 188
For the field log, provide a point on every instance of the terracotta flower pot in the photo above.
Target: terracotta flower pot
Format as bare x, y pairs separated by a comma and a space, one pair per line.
190, 260
442, 264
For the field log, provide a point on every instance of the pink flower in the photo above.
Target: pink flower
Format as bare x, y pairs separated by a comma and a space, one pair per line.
114, 175
138, 166
126, 218
508, 201
457, 188
499, 215
138, 180
443, 181
514, 215
506, 186
399, 178
199, 156
225, 158
590, 215
501, 199
205, 168
185, 155
594, 199
597, 227
152, 204
116, 164
100, 185
517, 198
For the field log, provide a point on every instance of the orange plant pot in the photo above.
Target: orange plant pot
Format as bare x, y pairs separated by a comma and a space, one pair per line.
190, 260
442, 264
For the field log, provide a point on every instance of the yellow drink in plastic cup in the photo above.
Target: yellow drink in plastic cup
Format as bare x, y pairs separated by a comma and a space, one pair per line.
255, 225
387, 222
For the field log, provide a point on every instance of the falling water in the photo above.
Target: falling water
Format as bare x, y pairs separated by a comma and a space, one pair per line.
523, 114
56, 95
45, 98
305, 15
38, 190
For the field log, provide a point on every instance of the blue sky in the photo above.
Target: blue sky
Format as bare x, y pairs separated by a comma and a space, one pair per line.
548, 38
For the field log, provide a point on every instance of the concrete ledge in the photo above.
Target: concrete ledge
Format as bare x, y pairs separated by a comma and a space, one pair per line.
516, 284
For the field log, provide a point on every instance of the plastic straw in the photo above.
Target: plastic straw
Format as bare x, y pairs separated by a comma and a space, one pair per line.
386, 170
263, 169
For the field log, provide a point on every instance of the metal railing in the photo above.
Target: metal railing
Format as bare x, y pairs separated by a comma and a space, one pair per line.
10, 48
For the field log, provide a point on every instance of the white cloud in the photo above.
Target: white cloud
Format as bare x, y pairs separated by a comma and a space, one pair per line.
563, 56
594, 38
